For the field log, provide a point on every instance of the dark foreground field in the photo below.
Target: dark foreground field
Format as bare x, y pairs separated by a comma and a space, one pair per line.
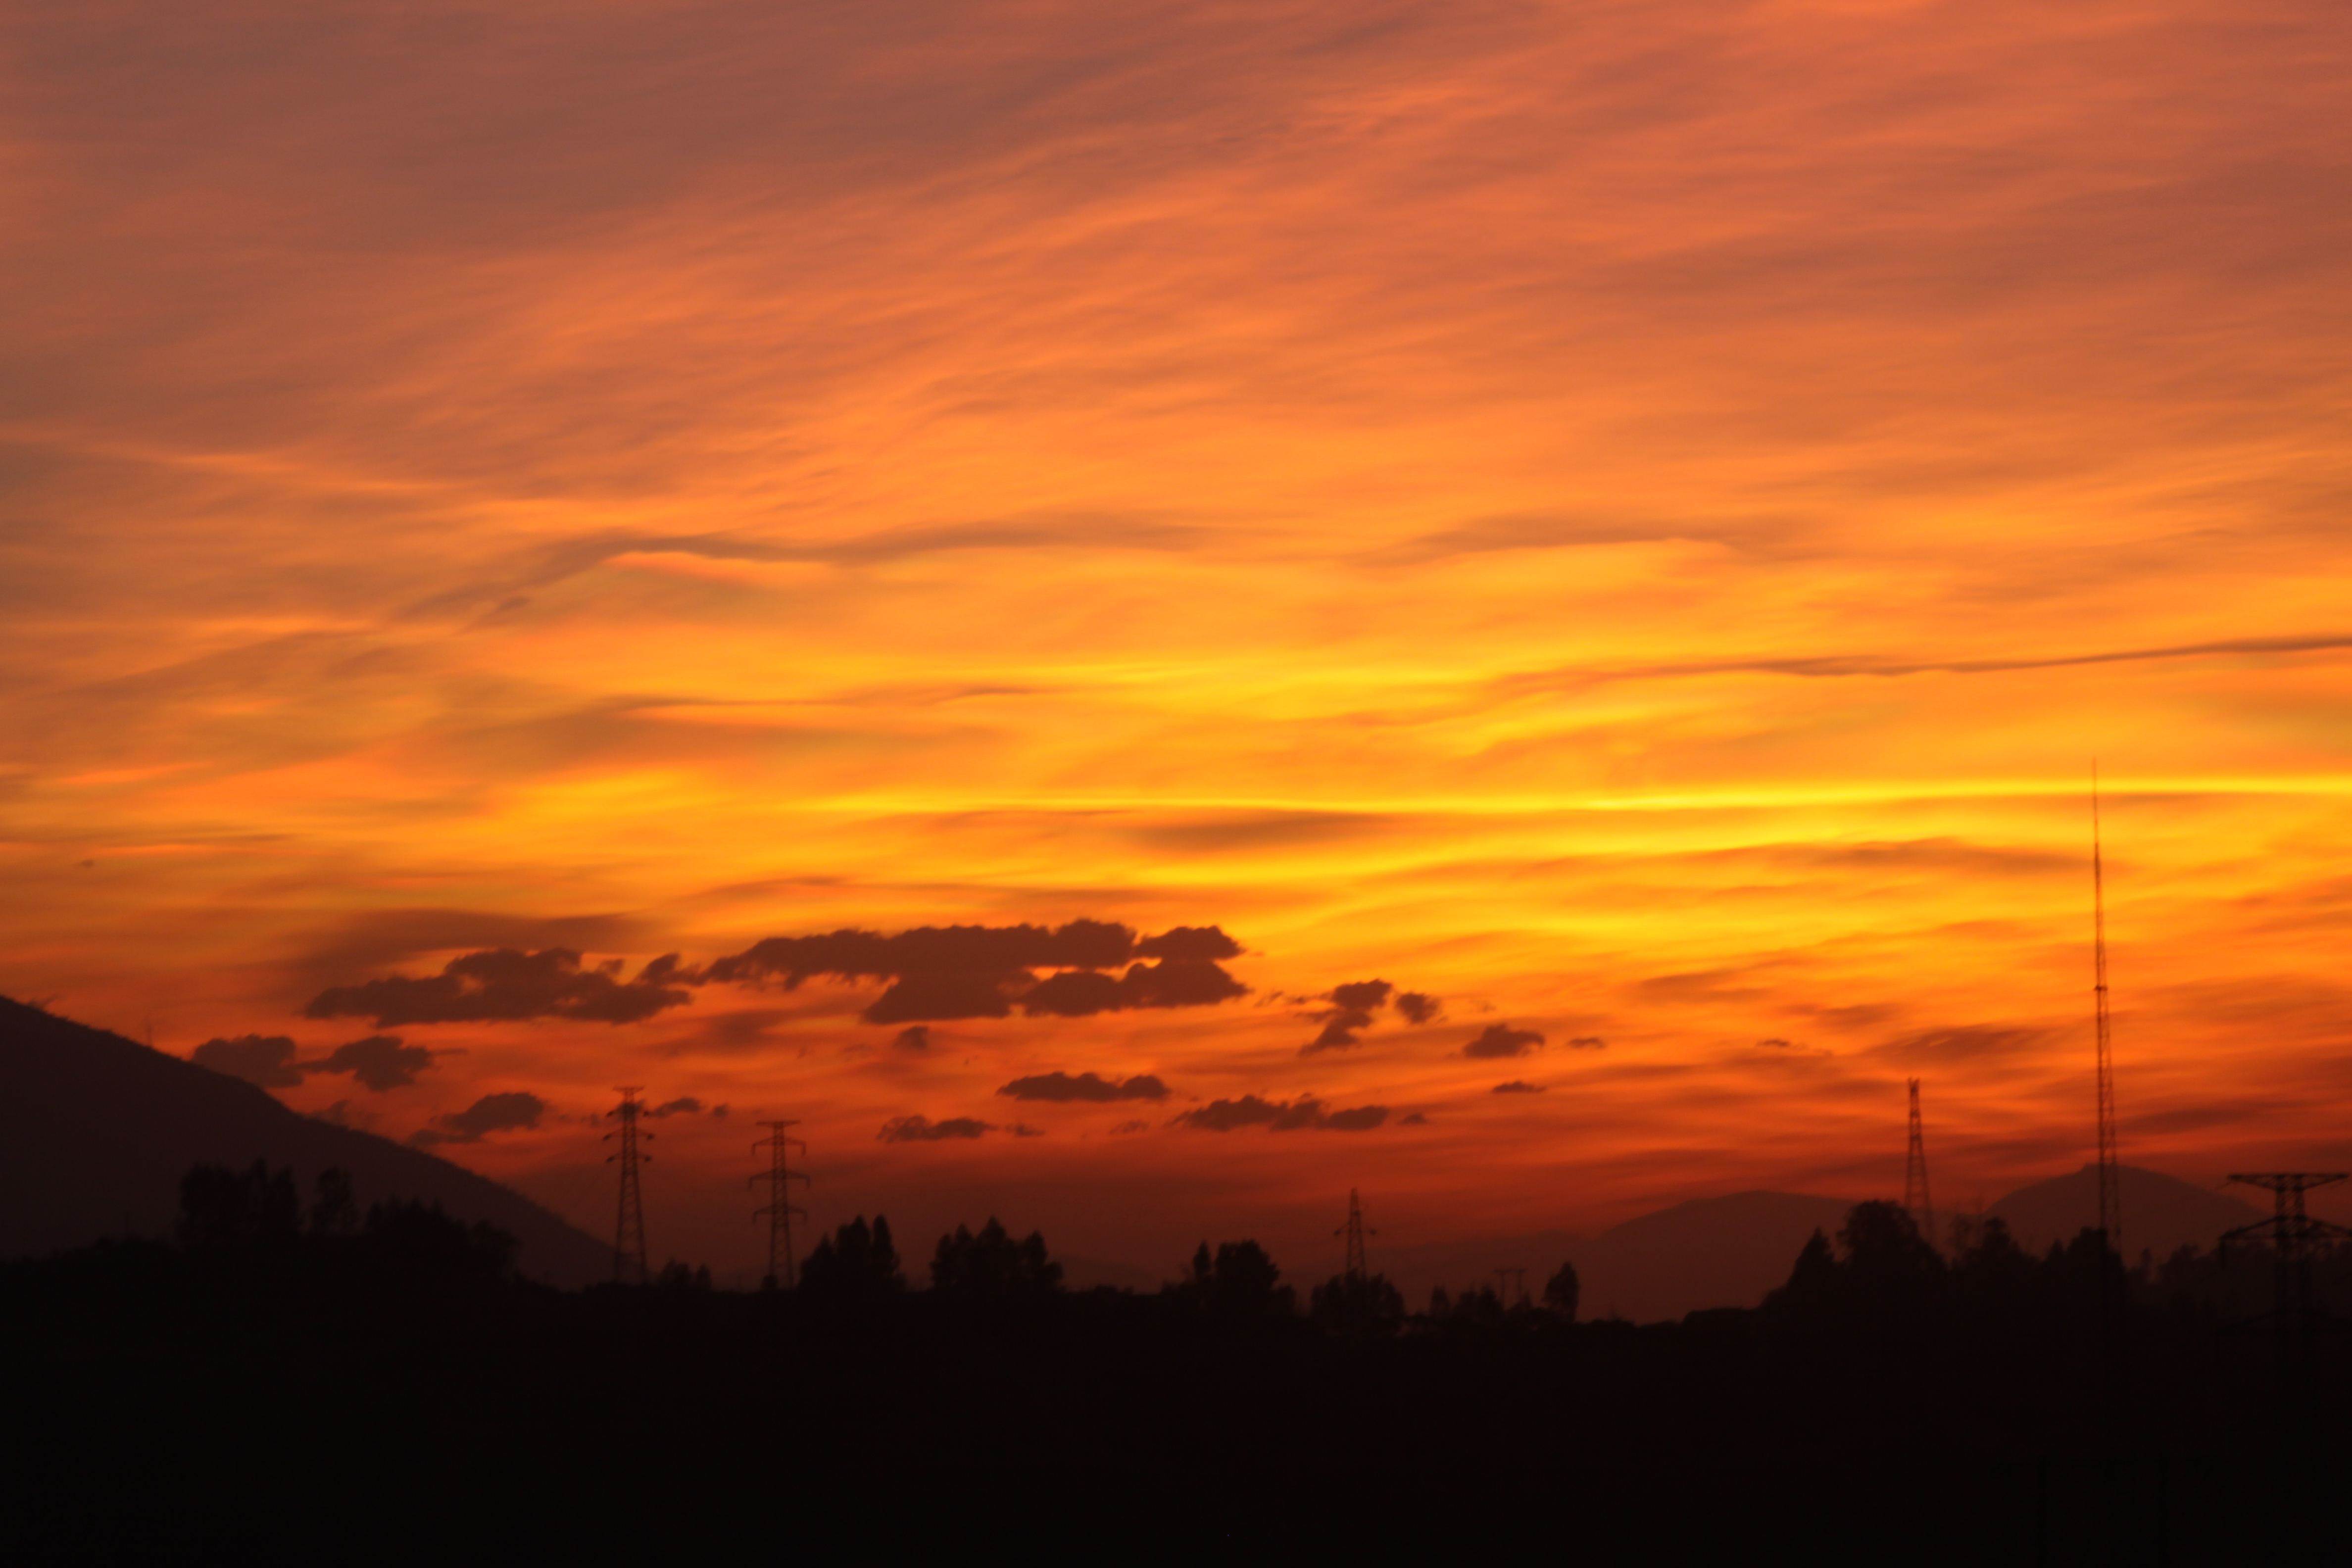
343, 1403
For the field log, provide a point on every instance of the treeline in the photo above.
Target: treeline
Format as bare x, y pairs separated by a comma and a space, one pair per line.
1878, 1269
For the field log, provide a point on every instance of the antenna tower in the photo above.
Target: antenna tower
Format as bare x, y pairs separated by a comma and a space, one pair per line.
2111, 1213
779, 1209
2294, 1236
1915, 1175
629, 1227
1356, 1268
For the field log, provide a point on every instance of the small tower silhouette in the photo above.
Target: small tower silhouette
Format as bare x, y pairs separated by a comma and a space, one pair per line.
779, 1209
1354, 1231
1915, 1175
629, 1227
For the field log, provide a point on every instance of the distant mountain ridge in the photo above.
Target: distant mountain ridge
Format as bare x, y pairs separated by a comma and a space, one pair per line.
104, 1128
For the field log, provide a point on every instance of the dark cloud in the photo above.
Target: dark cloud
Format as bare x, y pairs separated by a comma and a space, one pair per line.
491, 1113
1023, 1129
983, 972
1352, 1006
1281, 1116
1586, 1043
684, 1105
1502, 1040
1085, 1086
1412, 1119
941, 996
1171, 982
923, 1129
1188, 943
1126, 1127
913, 1037
1516, 1086
1776, 1043
380, 1061
993, 951
501, 984
1074, 993
379, 937
266, 1061
1339, 1031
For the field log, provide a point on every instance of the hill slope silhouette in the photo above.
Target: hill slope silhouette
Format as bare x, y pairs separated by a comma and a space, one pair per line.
104, 1128
2160, 1214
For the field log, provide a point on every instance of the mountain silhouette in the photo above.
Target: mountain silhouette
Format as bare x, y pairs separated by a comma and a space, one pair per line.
2161, 1213
104, 1128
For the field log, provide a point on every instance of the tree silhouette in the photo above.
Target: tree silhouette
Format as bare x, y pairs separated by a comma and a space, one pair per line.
1813, 1283
858, 1262
1357, 1303
335, 1211
1561, 1292
992, 1265
256, 1207
1239, 1281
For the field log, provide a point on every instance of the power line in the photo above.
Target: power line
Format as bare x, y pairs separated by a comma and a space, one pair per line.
779, 1209
629, 1225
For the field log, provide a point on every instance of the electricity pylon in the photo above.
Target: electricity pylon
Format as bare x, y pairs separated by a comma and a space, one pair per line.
629, 1225
1354, 1231
1915, 1175
779, 1209
2294, 1236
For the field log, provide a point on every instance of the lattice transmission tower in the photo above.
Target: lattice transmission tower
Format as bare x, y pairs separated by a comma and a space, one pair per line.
1915, 1175
779, 1209
629, 1225
2294, 1236
1356, 1268
2111, 1210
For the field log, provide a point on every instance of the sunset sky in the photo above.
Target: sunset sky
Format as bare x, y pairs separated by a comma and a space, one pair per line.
1630, 523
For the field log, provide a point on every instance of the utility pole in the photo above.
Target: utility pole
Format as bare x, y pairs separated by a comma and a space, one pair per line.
629, 1227
1915, 1175
779, 1209
2294, 1236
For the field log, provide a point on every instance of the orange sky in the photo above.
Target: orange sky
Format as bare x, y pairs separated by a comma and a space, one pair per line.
1633, 520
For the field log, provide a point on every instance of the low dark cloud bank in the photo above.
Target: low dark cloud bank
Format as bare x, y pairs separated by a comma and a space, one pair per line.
923, 1129
1353, 1007
934, 973
507, 1113
1304, 1114
1086, 1085
266, 1061
1502, 1040
381, 1062
502, 984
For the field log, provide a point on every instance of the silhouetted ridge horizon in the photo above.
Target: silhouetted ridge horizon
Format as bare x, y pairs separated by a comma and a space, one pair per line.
109, 1127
